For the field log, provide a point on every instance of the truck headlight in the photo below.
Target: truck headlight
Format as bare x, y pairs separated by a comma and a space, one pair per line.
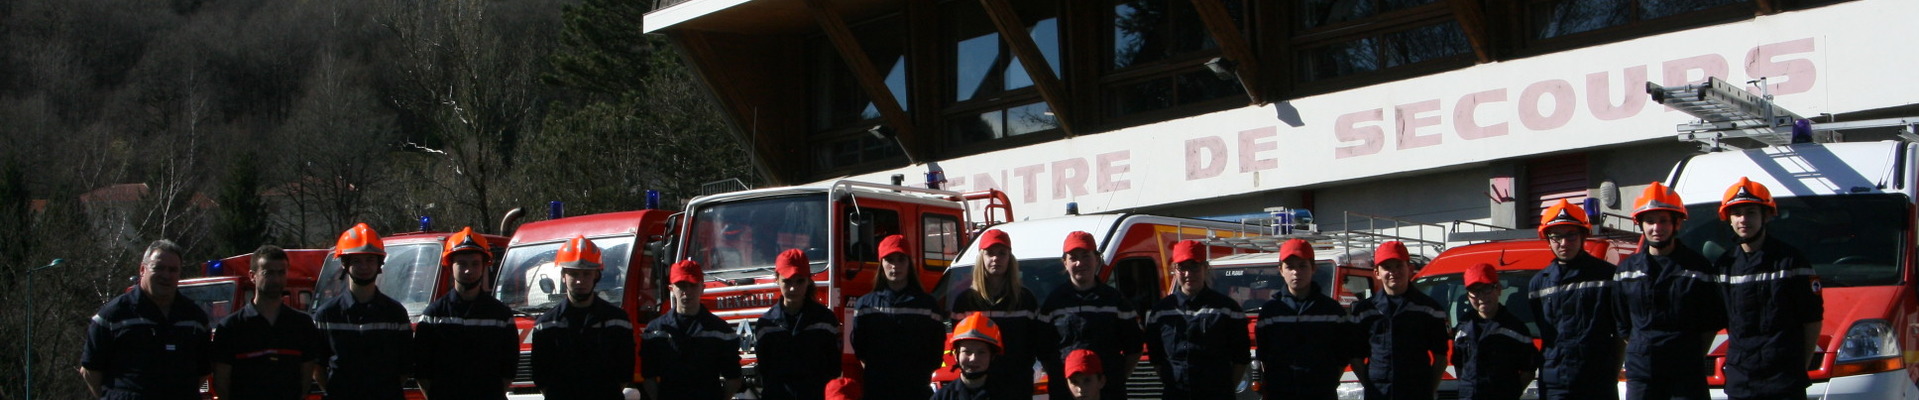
1870, 346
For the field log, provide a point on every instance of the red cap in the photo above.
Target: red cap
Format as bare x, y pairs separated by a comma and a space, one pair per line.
1079, 240
842, 389
1188, 250
1393, 250
1481, 273
894, 244
994, 237
686, 271
792, 262
1296, 248
1082, 360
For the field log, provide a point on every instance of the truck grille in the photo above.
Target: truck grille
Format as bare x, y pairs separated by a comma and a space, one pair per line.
523, 372
1144, 382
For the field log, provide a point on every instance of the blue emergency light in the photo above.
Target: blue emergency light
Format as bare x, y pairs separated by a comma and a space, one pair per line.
554, 209
215, 267
1072, 208
652, 199
426, 223
1801, 131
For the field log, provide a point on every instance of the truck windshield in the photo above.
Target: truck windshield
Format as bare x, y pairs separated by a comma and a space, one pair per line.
1252, 286
1448, 291
411, 273
1853, 240
1039, 276
741, 239
216, 299
530, 283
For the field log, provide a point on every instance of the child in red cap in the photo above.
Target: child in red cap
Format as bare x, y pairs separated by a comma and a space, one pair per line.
798, 339
1084, 375
1493, 352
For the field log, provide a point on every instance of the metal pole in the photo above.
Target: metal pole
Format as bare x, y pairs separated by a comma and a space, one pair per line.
31, 316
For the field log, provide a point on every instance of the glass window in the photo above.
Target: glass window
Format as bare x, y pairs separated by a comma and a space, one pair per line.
740, 239
837, 99
1317, 13
1003, 123
1851, 240
1252, 286
942, 239
1385, 50
854, 150
1555, 18
530, 283
1150, 31
216, 299
983, 66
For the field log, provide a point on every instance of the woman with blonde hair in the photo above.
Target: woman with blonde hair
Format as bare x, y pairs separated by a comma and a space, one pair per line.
997, 293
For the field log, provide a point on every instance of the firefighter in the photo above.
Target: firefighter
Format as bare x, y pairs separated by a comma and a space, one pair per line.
1196, 336
1572, 302
1085, 315
265, 350
1773, 302
583, 347
997, 292
1405, 332
149, 343
369, 337
1084, 375
798, 339
1493, 351
1318, 337
976, 347
897, 329
468, 347
689, 353
1668, 304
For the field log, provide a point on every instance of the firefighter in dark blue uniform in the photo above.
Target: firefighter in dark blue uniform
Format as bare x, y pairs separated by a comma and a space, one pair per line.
897, 330
266, 350
1405, 332
1773, 302
1085, 314
1572, 302
1668, 304
976, 347
1196, 337
689, 353
150, 343
369, 337
466, 342
798, 339
998, 292
1493, 351
1310, 340
582, 348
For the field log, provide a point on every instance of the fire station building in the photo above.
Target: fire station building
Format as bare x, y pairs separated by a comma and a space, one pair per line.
1424, 110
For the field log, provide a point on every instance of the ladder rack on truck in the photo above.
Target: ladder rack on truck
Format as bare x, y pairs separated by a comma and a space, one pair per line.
1731, 118
1363, 233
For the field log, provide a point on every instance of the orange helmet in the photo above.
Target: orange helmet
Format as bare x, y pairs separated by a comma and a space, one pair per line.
360, 239
1564, 213
578, 253
976, 326
1746, 192
463, 241
1658, 197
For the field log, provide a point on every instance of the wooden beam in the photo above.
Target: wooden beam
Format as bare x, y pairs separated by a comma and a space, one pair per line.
1014, 32
868, 77
1472, 20
1233, 45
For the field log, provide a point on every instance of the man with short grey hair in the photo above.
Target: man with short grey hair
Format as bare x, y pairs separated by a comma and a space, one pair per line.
148, 343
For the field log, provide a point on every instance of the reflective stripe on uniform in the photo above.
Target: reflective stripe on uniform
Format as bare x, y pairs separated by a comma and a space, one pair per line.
269, 352
1288, 319
1424, 310
1541, 293
121, 324
614, 323
495, 323
1689, 274
721, 335
823, 326
1088, 309
373, 326
1515, 335
895, 311
998, 314
1770, 276
1202, 311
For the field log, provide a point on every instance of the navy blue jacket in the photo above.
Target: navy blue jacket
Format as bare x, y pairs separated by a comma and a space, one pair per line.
1667, 308
1573, 304
144, 354
266, 358
1195, 341
466, 348
1494, 358
1405, 334
583, 352
798, 354
690, 354
1019, 329
1100, 320
900, 337
1771, 295
957, 390
370, 346
1309, 340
